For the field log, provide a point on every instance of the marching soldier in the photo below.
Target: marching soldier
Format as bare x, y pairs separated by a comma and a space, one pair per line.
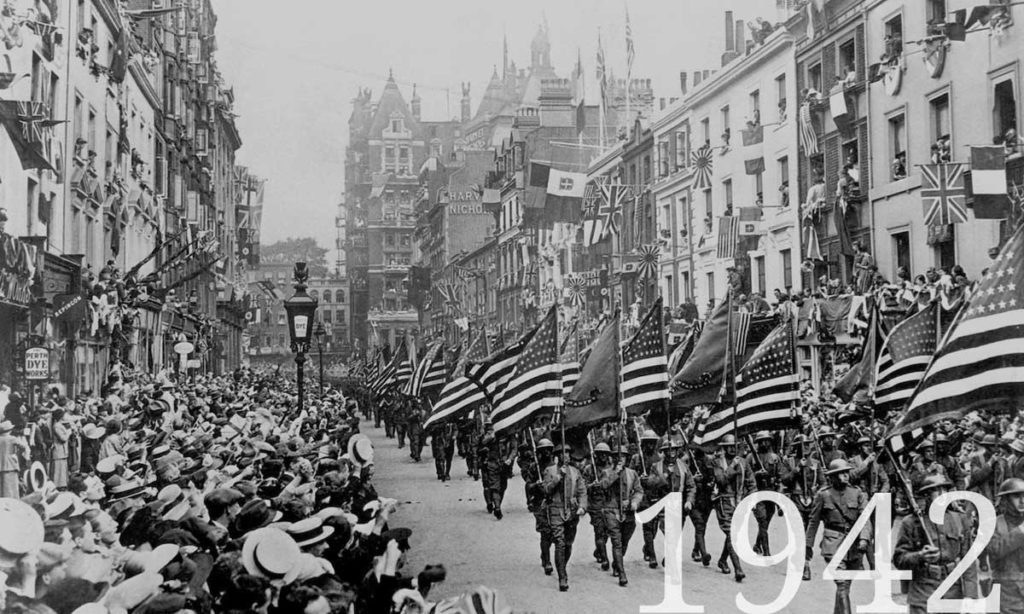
467, 440
767, 475
648, 445
1005, 550
837, 508
670, 475
442, 448
867, 474
414, 428
400, 418
535, 501
932, 559
494, 468
596, 503
622, 496
566, 501
802, 478
949, 461
924, 463
705, 496
735, 480
829, 451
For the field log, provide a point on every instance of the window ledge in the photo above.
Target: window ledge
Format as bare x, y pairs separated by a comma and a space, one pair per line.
895, 188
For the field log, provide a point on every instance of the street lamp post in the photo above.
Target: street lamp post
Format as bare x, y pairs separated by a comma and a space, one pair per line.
319, 333
300, 309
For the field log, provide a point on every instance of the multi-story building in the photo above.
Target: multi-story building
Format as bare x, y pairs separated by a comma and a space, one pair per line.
750, 177
931, 110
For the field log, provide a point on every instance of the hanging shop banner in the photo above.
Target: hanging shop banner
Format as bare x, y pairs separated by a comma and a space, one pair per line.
69, 308
37, 363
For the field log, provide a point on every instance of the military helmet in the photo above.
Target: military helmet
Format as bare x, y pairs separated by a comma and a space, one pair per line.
826, 431
839, 465
927, 443
941, 438
1017, 446
602, 448
677, 442
624, 450
863, 440
545, 443
665, 443
727, 440
762, 435
649, 435
1011, 486
933, 481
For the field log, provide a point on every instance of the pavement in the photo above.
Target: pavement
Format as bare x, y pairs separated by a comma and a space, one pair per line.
451, 525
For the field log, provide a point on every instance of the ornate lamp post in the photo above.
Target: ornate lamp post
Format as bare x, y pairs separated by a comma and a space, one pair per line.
319, 333
300, 309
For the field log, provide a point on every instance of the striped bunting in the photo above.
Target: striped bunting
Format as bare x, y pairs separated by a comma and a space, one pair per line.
536, 381
645, 366
728, 236
767, 391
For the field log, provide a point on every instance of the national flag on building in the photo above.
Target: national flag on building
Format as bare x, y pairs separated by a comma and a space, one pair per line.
753, 149
602, 75
461, 395
988, 183
612, 195
645, 366
767, 391
904, 356
703, 167
648, 263
536, 382
630, 49
808, 138
728, 236
943, 193
980, 364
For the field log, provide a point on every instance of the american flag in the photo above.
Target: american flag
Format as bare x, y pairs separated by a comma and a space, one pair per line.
904, 357
645, 366
405, 363
979, 364
808, 138
943, 193
384, 379
767, 391
648, 266
703, 167
570, 361
728, 236
430, 373
536, 382
685, 347
494, 372
460, 395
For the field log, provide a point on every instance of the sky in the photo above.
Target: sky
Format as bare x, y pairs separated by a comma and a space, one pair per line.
296, 66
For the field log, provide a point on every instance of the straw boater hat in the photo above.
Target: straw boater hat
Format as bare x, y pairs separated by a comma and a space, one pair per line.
30, 534
309, 531
35, 477
6, 427
360, 450
272, 554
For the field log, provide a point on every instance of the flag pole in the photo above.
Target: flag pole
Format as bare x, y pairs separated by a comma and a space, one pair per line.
730, 379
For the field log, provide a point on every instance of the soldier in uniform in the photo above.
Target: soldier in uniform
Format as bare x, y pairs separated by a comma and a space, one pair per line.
467, 440
566, 500
945, 457
924, 463
493, 470
829, 450
596, 502
703, 503
982, 465
1015, 459
623, 494
535, 501
802, 478
399, 418
442, 448
932, 551
414, 428
735, 480
837, 508
1005, 551
649, 451
867, 474
670, 475
768, 476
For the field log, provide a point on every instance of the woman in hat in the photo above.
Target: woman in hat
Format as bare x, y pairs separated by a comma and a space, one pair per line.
12, 450
59, 455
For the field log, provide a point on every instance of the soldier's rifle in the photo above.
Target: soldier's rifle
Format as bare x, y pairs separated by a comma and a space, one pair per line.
915, 509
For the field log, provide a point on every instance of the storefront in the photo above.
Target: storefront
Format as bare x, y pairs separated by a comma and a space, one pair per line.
19, 263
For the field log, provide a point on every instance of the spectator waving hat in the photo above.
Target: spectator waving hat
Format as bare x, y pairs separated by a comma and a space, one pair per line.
360, 451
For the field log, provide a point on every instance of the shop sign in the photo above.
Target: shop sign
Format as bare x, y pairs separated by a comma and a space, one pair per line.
37, 363
69, 307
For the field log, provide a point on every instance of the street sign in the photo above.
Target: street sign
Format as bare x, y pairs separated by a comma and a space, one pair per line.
183, 347
193, 363
37, 363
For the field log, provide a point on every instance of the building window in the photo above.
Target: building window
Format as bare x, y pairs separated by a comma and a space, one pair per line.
814, 76
1005, 108
92, 128
281, 341
396, 125
901, 250
760, 272
340, 315
786, 258
705, 130
898, 145
945, 251
327, 296
936, 12
709, 211
682, 149
759, 189
726, 131
727, 188
780, 95
685, 281
893, 39
341, 296
327, 316
784, 181
755, 107
941, 151
315, 294
847, 58
280, 320
646, 177
711, 286
663, 159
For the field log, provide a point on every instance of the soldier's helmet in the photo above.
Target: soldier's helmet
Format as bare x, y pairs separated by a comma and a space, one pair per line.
1011, 486
677, 442
665, 443
839, 465
927, 443
727, 440
624, 450
545, 443
649, 435
826, 432
763, 435
863, 440
1017, 446
602, 448
933, 481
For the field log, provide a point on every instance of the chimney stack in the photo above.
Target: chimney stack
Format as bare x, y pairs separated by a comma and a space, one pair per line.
697, 78
661, 104
741, 35
682, 82
730, 41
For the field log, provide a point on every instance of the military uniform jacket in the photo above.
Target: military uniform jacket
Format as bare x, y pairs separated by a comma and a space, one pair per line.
837, 511
803, 482
675, 477
864, 472
952, 538
566, 493
595, 494
1006, 556
772, 463
621, 489
735, 479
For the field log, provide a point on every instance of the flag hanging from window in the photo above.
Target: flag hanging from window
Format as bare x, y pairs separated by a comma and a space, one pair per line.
808, 138
988, 183
753, 149
728, 236
943, 194
704, 166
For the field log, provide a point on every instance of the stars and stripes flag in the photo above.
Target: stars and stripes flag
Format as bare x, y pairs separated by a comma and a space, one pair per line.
384, 378
767, 391
536, 382
461, 395
405, 362
904, 356
980, 362
808, 138
943, 193
570, 361
430, 373
703, 167
728, 236
645, 366
648, 265
495, 371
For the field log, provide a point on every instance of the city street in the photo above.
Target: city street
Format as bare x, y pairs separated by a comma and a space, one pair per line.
451, 526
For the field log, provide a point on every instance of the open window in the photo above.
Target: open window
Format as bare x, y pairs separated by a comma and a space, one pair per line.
847, 58
901, 250
898, 146
939, 118
893, 39
814, 77
1004, 109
